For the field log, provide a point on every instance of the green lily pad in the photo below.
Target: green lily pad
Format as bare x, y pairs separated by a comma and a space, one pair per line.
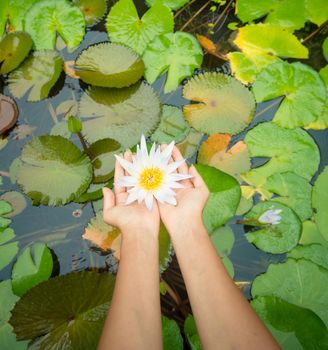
172, 338
317, 11
177, 53
109, 65
8, 338
274, 238
69, 310
7, 250
36, 76
316, 253
224, 196
299, 282
16, 200
293, 190
288, 150
190, 144
292, 326
172, 4
226, 106
33, 266
46, 17
311, 234
93, 10
173, 126
53, 170
320, 202
304, 92
242, 67
124, 25
61, 129
14, 47
121, 114
191, 333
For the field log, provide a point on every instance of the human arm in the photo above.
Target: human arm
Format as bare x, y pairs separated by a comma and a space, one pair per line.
134, 317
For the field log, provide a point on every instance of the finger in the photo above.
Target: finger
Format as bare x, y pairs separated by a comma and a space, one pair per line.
196, 180
109, 199
183, 168
128, 157
121, 196
119, 172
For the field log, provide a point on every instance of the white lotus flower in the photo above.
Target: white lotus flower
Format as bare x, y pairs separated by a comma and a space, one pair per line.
271, 216
151, 175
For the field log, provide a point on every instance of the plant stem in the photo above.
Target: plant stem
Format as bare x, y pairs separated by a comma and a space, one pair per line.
176, 298
195, 15
183, 8
223, 13
314, 32
83, 143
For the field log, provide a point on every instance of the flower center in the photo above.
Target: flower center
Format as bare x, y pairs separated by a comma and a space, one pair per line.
151, 178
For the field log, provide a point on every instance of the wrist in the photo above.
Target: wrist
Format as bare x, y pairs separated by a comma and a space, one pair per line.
187, 229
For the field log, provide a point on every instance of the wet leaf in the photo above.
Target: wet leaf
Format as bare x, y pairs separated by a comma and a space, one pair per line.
16, 200
53, 171
69, 310
109, 65
124, 25
246, 200
121, 114
303, 90
33, 266
172, 338
292, 326
286, 150
320, 202
8, 113
191, 333
233, 161
299, 282
36, 76
206, 43
311, 234
225, 105
275, 238
14, 47
7, 250
177, 53
173, 126
172, 4
190, 144
316, 253
93, 10
45, 18
242, 67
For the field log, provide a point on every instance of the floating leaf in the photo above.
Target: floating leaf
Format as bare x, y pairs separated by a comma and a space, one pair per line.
124, 25
45, 18
172, 338
316, 253
68, 107
299, 282
242, 67
292, 326
61, 129
8, 338
304, 92
190, 144
191, 333
5, 208
177, 53
8, 113
214, 152
173, 126
224, 196
36, 76
16, 200
288, 150
123, 115
93, 10
33, 266
325, 48
14, 47
246, 200
53, 170
172, 4
311, 234
320, 202
8, 250
69, 310
225, 106
317, 11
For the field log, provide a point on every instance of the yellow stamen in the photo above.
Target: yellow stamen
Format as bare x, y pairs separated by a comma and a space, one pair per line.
151, 178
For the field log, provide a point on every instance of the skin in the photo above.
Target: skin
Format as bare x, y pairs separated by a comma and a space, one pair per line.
223, 316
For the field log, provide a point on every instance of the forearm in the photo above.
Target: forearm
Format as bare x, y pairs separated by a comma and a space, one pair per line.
224, 318
133, 321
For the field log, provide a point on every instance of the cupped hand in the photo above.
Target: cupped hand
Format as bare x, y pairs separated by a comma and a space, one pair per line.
131, 218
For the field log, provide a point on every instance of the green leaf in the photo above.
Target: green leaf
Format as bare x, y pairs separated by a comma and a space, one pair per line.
320, 202
121, 114
61, 129
7, 253
299, 282
311, 234
226, 106
6, 294
8, 338
124, 25
274, 238
292, 326
14, 47
189, 145
303, 90
287, 150
5, 207
36, 76
17, 202
242, 67
45, 18
316, 253
69, 310
172, 127
294, 191
224, 196
33, 266
109, 65
53, 170
172, 4
317, 11
172, 339
191, 333
223, 240
177, 53
74, 125
325, 48
93, 10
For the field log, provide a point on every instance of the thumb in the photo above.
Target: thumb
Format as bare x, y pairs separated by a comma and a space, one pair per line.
196, 179
109, 199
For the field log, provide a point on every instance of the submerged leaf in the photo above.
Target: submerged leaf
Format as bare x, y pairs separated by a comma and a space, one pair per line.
46, 17
172, 4
53, 171
36, 76
177, 53
93, 10
14, 47
225, 106
124, 25
8, 113
121, 114
109, 65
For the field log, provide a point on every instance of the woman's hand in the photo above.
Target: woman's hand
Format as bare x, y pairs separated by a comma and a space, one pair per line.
131, 219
